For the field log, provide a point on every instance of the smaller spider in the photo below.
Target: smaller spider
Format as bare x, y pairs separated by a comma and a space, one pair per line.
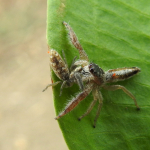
60, 67
95, 78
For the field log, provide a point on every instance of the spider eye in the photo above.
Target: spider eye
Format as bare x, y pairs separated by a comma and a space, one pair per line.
91, 70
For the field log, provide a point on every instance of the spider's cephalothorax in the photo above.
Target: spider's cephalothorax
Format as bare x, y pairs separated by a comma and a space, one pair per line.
96, 70
93, 72
98, 73
93, 78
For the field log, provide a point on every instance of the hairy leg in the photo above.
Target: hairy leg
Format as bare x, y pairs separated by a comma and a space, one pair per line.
94, 92
53, 84
62, 86
79, 80
81, 62
75, 42
100, 99
73, 66
116, 87
75, 101
64, 56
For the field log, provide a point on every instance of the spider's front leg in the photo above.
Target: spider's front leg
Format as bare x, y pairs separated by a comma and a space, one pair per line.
75, 101
76, 43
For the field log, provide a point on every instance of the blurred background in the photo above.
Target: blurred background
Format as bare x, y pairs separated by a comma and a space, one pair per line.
26, 113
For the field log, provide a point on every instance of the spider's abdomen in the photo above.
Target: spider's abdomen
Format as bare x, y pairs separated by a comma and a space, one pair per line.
58, 65
120, 74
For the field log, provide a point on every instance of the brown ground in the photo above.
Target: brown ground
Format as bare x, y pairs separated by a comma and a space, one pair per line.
26, 114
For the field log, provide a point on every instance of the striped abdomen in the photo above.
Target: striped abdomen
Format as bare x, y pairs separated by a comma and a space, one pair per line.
120, 74
58, 65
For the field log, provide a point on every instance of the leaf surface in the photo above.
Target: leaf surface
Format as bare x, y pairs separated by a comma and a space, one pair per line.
114, 34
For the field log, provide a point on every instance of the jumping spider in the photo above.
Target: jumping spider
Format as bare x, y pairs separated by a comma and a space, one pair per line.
93, 77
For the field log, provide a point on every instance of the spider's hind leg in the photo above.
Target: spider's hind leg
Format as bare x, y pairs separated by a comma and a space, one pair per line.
91, 105
100, 100
97, 96
116, 87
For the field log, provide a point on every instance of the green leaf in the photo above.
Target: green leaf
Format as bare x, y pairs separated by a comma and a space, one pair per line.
114, 34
